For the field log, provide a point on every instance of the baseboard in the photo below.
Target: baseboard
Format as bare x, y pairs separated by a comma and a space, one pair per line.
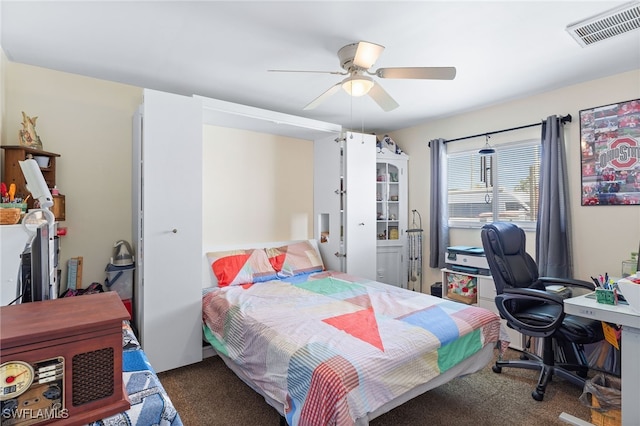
573, 420
207, 352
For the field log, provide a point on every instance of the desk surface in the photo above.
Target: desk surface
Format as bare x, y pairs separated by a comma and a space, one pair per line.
590, 308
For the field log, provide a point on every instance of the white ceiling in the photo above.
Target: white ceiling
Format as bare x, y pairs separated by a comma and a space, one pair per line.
502, 50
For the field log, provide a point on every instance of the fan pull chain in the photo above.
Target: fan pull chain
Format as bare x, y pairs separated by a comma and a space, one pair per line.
351, 114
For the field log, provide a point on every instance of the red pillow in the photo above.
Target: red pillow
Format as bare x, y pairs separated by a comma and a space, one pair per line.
236, 267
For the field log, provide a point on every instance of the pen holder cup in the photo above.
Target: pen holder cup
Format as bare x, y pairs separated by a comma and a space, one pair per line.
605, 296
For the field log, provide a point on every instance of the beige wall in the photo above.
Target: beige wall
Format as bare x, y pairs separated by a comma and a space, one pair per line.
603, 236
257, 187
88, 122
3, 66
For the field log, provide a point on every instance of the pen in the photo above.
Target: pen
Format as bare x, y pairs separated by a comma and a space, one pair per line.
596, 282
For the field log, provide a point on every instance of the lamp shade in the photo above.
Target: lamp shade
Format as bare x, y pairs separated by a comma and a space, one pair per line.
357, 85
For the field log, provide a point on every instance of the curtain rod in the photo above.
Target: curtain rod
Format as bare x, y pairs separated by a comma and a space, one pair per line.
565, 119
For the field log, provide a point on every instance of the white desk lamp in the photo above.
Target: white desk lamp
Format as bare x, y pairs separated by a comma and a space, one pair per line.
40, 191
36, 183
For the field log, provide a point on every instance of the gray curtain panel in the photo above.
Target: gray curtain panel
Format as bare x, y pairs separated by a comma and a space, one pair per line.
438, 224
553, 230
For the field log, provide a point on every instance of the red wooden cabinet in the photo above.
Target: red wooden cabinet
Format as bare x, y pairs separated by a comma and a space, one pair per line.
61, 360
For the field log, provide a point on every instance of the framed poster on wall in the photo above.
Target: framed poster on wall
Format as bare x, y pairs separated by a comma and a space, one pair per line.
610, 154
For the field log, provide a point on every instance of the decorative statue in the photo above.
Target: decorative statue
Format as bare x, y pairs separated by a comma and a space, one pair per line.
28, 136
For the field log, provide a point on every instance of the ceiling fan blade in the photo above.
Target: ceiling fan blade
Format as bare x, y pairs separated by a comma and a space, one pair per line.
382, 98
367, 54
317, 101
429, 73
318, 72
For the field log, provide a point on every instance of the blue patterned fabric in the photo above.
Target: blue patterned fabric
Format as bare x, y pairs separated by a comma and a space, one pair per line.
150, 404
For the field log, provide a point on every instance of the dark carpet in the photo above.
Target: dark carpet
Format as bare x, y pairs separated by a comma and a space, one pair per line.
209, 394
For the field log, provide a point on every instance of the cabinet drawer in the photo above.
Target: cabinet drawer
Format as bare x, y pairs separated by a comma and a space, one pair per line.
486, 288
488, 304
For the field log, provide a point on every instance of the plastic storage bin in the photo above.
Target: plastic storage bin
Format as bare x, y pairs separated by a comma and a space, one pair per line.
436, 289
120, 280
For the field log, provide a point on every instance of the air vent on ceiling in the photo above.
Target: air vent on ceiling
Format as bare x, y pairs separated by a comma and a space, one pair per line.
606, 25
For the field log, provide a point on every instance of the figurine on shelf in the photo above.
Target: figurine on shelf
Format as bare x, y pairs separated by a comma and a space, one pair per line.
27, 135
390, 145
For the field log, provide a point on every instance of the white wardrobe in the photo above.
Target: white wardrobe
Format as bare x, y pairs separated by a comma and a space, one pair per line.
168, 210
168, 213
344, 202
167, 222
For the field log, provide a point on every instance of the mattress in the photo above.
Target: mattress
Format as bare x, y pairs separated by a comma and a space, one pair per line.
330, 348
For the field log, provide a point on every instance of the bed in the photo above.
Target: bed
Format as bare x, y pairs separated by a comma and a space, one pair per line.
323, 347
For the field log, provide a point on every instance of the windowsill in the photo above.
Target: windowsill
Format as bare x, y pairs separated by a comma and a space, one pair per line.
527, 226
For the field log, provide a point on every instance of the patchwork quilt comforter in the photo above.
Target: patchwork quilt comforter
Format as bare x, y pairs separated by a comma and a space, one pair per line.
332, 347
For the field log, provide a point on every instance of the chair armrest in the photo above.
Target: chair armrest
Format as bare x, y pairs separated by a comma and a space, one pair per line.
538, 329
570, 282
535, 294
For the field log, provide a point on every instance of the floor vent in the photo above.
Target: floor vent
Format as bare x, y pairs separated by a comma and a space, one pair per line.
605, 25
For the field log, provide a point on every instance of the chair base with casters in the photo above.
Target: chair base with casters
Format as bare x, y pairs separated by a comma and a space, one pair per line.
575, 373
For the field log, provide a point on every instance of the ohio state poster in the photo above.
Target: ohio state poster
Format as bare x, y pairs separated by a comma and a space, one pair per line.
610, 154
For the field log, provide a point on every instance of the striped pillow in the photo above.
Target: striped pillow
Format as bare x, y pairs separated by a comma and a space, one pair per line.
294, 259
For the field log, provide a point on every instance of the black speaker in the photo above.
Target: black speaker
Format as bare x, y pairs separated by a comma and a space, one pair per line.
90, 383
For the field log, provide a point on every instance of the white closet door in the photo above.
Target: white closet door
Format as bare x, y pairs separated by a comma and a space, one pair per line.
171, 224
360, 208
327, 174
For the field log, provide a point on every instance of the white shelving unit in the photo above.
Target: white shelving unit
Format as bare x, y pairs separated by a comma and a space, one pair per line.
391, 217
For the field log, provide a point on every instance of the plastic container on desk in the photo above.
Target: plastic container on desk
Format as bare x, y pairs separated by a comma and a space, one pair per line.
120, 280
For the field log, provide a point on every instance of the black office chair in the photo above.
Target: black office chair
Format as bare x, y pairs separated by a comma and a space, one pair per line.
528, 308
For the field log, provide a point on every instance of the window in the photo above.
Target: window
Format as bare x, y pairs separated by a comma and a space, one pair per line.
502, 186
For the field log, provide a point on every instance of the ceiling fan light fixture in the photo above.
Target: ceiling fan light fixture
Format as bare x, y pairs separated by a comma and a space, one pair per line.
357, 85
356, 59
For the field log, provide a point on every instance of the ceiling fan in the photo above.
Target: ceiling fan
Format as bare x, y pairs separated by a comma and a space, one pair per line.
357, 59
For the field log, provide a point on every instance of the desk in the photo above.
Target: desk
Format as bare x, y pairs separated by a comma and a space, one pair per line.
630, 347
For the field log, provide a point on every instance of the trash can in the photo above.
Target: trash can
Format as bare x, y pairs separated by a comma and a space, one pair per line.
120, 280
603, 395
436, 289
